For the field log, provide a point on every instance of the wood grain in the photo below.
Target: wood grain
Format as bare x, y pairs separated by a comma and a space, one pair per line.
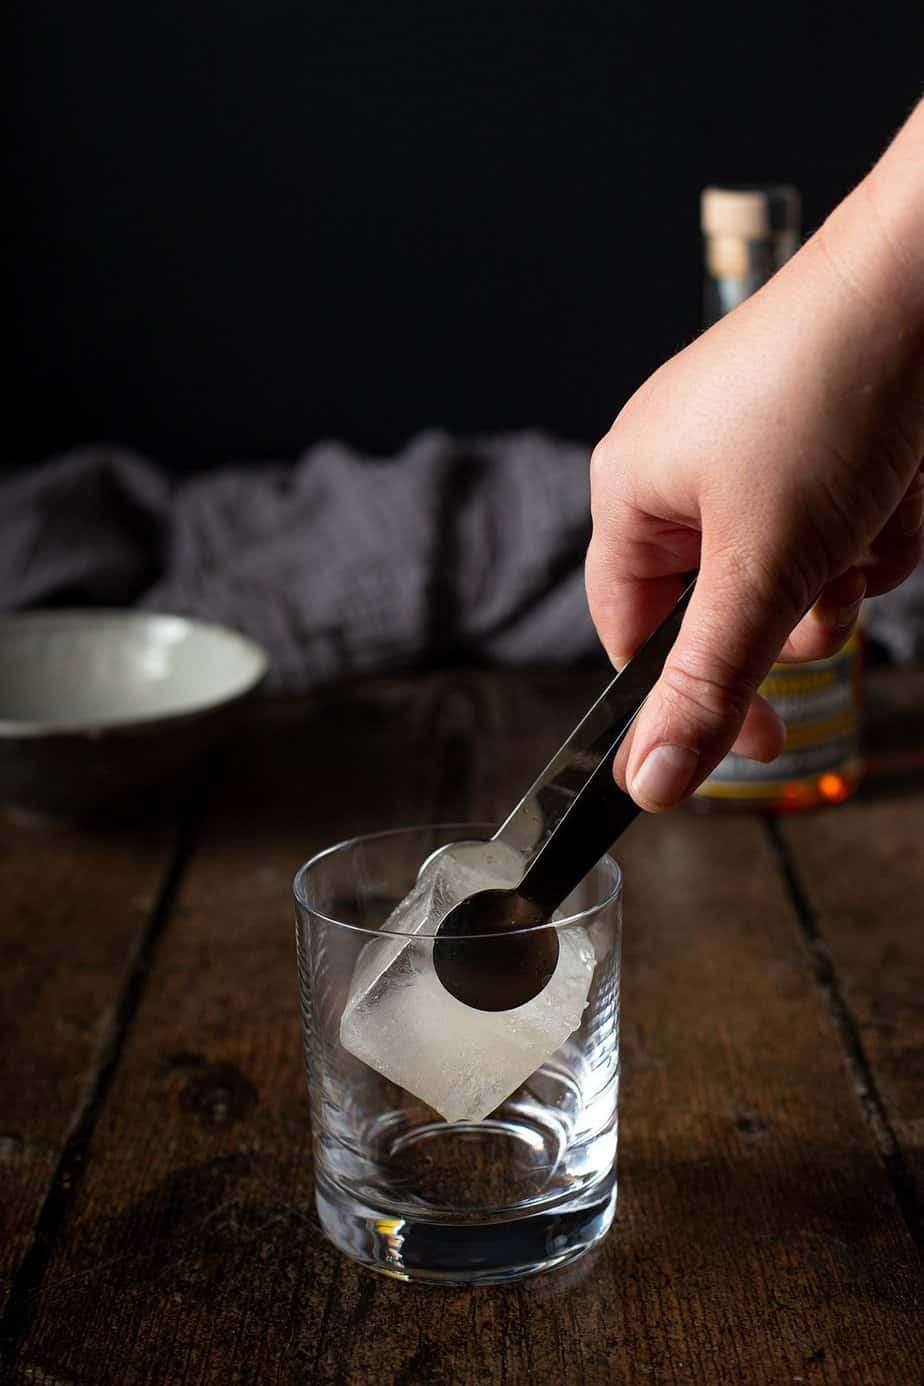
758, 1238
861, 873
75, 908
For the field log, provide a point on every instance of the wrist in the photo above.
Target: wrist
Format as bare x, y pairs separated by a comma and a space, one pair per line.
895, 197
863, 275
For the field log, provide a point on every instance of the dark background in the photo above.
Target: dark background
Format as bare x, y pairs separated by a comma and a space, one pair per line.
232, 228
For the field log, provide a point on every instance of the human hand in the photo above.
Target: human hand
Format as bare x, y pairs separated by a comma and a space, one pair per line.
781, 455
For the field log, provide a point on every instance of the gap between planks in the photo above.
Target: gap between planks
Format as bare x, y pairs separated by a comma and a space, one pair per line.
27, 1281
848, 1033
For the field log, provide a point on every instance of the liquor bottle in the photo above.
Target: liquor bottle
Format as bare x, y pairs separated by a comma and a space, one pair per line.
749, 232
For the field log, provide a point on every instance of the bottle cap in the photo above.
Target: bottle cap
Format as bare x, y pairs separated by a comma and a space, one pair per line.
753, 212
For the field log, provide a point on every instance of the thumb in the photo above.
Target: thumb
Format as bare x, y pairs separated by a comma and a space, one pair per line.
733, 630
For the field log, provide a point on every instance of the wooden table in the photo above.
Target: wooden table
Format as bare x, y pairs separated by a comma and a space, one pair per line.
156, 1218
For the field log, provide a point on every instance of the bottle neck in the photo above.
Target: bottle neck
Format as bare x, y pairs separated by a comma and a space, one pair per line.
749, 231
737, 266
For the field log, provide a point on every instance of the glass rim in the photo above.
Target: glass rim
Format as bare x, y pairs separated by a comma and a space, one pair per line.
608, 861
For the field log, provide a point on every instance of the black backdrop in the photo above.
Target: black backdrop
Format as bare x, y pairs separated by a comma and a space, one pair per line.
233, 227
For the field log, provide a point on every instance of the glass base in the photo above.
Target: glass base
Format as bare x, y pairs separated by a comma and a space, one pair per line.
459, 1253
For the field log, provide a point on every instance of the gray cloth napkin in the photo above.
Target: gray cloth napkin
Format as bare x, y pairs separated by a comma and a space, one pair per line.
338, 564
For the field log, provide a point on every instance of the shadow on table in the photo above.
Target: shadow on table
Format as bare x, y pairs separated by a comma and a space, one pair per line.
707, 1225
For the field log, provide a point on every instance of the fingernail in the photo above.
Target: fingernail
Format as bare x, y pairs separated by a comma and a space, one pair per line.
911, 514
664, 775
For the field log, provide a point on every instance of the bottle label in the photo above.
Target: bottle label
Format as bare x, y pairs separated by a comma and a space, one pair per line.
820, 706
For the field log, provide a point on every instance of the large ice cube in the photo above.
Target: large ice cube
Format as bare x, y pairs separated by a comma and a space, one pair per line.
401, 1021
445, 878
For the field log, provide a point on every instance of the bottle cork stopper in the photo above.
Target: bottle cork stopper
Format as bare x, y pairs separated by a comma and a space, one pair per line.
750, 213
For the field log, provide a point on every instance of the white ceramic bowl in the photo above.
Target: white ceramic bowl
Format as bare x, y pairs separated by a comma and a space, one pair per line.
103, 710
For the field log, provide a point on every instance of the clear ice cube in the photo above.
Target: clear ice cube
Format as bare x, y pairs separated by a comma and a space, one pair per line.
401, 1021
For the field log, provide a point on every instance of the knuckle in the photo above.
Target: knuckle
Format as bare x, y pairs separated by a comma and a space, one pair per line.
614, 450
603, 460
610, 485
790, 582
713, 702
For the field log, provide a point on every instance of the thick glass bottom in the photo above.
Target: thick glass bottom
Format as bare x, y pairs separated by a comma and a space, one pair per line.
466, 1253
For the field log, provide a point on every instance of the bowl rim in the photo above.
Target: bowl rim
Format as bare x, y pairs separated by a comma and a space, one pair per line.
11, 727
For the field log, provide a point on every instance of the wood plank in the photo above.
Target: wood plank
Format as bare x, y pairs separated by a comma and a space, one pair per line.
757, 1238
74, 907
861, 870
203, 1148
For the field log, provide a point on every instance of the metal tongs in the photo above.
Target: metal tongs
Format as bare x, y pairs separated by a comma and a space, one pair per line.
491, 951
